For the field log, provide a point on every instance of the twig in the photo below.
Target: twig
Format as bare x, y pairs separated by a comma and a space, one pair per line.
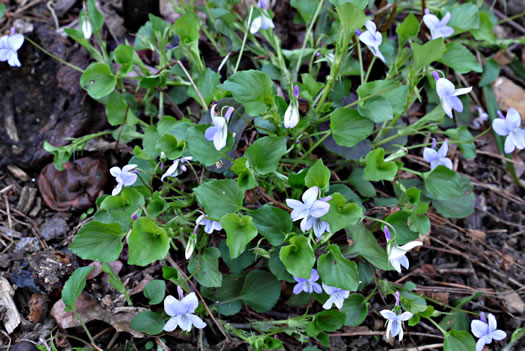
193, 84
176, 266
509, 20
374, 333
122, 126
419, 348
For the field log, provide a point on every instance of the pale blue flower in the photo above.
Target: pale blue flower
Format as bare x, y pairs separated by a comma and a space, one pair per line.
177, 168
372, 39
394, 324
262, 21
439, 157
510, 127
448, 94
125, 177
477, 122
291, 116
337, 297
438, 29
396, 253
485, 332
181, 312
9, 45
218, 133
310, 211
209, 224
308, 285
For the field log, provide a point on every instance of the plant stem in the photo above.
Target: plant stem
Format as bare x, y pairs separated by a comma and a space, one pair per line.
84, 326
70, 65
360, 55
308, 33
370, 68
243, 40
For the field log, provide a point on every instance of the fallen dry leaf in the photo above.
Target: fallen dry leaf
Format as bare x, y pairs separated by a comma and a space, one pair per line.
508, 94
513, 302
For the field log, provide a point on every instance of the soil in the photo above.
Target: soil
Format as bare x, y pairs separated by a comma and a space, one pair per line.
42, 101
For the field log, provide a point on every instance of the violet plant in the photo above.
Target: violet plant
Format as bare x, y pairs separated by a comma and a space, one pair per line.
255, 150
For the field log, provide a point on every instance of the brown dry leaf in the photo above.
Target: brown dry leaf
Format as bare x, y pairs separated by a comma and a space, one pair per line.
477, 234
439, 296
508, 262
508, 94
11, 318
513, 302
89, 309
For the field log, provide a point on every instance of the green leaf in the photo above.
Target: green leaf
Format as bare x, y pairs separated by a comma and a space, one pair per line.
460, 59
337, 271
239, 232
365, 245
330, 320
305, 8
147, 242
363, 186
377, 169
443, 184
351, 17
2, 10
298, 257
202, 149
272, 223
96, 17
115, 281
355, 308
74, 286
148, 322
395, 93
377, 109
459, 341
463, 134
342, 214
265, 153
98, 241
278, 268
348, 127
412, 302
486, 30
253, 89
98, 80
219, 197
207, 83
409, 28
490, 73
429, 52
116, 108
154, 291
246, 179
205, 267
237, 265
464, 17
399, 220
229, 292
120, 208
187, 27
172, 147
318, 175
157, 205
261, 290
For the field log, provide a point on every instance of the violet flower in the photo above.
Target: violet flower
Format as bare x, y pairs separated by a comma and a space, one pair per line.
209, 224
396, 253
485, 332
394, 324
372, 39
218, 133
291, 116
510, 127
337, 297
438, 29
439, 157
262, 21
177, 168
448, 94
477, 122
181, 312
310, 211
9, 45
125, 177
308, 285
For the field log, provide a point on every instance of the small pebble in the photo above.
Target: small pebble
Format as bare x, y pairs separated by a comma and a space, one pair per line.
53, 228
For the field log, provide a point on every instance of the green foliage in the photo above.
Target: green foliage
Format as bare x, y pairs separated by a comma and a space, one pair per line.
154, 291
427, 53
260, 290
147, 242
377, 168
265, 153
148, 322
349, 127
98, 80
356, 310
298, 257
205, 267
219, 197
335, 270
74, 286
342, 214
240, 230
98, 241
318, 175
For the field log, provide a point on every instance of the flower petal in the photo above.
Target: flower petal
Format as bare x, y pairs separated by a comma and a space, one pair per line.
319, 208
173, 307
396, 327
15, 41
370, 26
443, 150
410, 245
442, 32
314, 276
444, 88
430, 154
431, 21
513, 119
499, 334
267, 23
256, 25
479, 328
196, 321
462, 91
317, 288
117, 189
447, 162
509, 144
405, 316
171, 325
500, 127
298, 287
368, 39
129, 168
445, 19
310, 196
480, 344
190, 302
387, 314
184, 322
115, 172
210, 133
455, 103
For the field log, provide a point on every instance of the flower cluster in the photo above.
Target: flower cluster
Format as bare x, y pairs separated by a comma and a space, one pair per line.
336, 296
310, 211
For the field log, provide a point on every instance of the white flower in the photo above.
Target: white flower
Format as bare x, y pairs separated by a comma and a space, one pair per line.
87, 30
291, 116
209, 224
372, 38
307, 285
125, 177
218, 133
337, 297
448, 94
394, 324
181, 312
438, 29
397, 254
436, 158
9, 45
262, 21
310, 211
177, 167
510, 127
486, 331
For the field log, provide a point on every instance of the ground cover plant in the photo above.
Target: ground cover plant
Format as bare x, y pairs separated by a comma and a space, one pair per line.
285, 191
